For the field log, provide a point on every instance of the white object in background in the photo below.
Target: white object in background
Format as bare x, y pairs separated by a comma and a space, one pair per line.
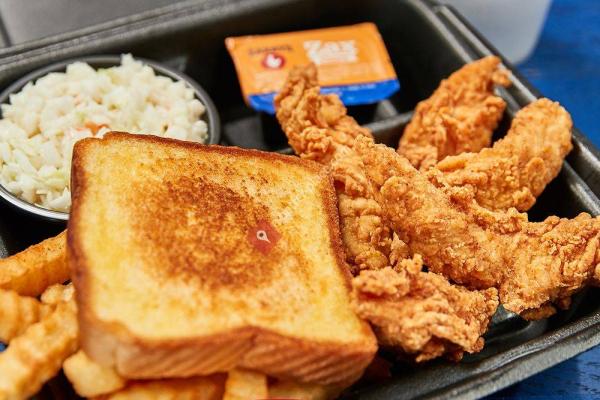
512, 26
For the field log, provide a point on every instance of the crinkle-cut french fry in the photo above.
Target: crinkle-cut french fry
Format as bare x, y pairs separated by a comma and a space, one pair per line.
90, 379
244, 385
17, 313
302, 391
31, 271
37, 355
58, 294
197, 388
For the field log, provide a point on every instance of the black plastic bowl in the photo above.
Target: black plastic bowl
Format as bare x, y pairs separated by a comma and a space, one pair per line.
211, 117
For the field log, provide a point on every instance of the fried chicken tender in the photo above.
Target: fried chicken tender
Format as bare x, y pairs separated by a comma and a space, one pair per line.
515, 171
421, 313
318, 129
535, 266
460, 116
317, 126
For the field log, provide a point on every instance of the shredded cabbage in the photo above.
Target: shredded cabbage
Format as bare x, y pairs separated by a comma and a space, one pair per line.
45, 119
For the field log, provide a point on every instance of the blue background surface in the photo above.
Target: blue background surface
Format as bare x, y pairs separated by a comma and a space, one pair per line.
566, 67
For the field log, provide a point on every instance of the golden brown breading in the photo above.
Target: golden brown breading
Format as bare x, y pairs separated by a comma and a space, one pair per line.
318, 128
460, 116
517, 168
316, 125
534, 265
421, 313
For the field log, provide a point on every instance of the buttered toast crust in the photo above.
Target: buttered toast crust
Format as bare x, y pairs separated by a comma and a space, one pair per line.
158, 226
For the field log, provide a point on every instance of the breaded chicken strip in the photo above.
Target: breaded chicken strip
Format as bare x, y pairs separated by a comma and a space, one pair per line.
534, 265
460, 116
319, 129
421, 313
515, 171
316, 125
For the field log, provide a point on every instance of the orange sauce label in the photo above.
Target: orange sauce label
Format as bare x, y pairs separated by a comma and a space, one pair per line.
348, 55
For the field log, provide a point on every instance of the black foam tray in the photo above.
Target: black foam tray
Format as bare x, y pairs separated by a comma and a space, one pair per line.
426, 42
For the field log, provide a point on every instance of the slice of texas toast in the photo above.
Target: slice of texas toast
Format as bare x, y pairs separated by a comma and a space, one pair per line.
192, 259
